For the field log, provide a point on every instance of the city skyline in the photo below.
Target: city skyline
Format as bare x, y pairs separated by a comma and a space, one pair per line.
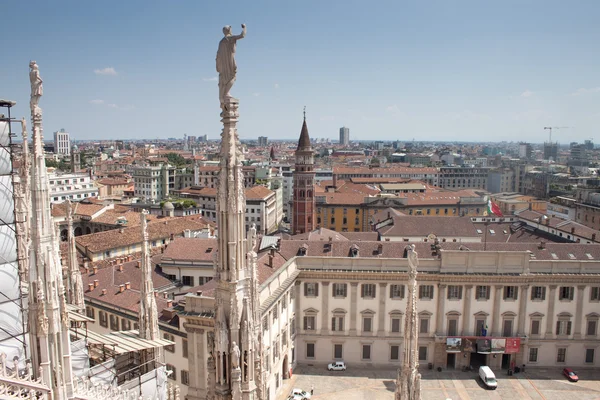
466, 72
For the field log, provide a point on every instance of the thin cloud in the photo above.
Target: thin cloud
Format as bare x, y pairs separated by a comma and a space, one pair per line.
97, 101
276, 86
106, 71
213, 79
393, 108
527, 93
112, 105
581, 91
256, 94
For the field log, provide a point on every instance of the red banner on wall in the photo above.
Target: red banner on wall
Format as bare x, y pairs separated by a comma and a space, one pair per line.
512, 345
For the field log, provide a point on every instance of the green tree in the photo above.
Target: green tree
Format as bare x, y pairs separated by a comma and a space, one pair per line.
176, 159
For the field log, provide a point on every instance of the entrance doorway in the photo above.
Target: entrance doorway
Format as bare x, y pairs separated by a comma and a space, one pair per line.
478, 359
285, 369
450, 360
506, 361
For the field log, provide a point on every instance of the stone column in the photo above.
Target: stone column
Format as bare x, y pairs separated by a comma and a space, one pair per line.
522, 310
496, 315
325, 309
439, 324
297, 298
579, 313
550, 317
196, 360
353, 309
381, 319
466, 321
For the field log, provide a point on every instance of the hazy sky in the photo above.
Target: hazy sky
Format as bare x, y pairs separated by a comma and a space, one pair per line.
428, 70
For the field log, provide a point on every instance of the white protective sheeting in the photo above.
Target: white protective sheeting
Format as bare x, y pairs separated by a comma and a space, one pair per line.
154, 384
8, 244
4, 139
79, 358
104, 374
7, 211
9, 281
5, 164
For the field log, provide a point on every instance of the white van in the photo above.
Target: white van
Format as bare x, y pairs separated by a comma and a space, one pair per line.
487, 377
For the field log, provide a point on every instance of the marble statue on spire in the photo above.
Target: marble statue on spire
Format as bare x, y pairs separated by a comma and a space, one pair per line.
408, 382
37, 90
74, 280
226, 66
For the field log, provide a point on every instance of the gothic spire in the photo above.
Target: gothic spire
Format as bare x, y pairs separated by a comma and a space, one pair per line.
75, 283
304, 142
148, 309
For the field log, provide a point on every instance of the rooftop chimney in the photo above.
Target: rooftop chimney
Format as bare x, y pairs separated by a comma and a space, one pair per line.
198, 292
120, 267
593, 237
271, 260
169, 303
139, 264
573, 231
95, 270
127, 285
542, 245
121, 288
96, 283
165, 295
120, 230
90, 286
103, 292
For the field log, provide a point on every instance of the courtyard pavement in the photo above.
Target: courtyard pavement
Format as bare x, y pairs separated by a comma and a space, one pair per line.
379, 384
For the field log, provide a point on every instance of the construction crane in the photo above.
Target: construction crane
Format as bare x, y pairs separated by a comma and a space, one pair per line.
554, 127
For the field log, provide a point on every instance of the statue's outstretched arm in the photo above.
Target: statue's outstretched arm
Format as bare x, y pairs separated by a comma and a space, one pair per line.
241, 35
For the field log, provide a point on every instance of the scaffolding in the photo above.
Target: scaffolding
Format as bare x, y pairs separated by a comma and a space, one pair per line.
13, 231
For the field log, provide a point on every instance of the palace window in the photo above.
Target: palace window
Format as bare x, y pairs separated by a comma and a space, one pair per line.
340, 289
310, 350
589, 356
366, 352
114, 322
563, 325
173, 370
368, 290
566, 293
185, 377
184, 348
538, 293
595, 293
533, 354
337, 322
426, 292
394, 353
592, 324
482, 293
454, 292
561, 354
309, 323
311, 289
170, 348
511, 292
396, 292
422, 353
338, 351
103, 319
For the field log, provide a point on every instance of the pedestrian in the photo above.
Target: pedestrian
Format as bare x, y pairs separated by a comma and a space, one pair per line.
312, 390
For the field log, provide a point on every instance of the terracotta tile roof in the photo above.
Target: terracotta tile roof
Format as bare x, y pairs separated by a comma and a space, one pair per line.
423, 226
388, 170
258, 193
566, 226
264, 271
110, 278
191, 249
157, 230
112, 217
342, 198
113, 181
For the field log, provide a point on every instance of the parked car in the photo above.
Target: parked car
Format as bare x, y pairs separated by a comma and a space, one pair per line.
299, 394
487, 377
337, 366
570, 374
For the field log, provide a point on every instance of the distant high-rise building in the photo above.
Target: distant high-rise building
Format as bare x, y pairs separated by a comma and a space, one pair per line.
589, 144
263, 141
550, 151
525, 150
202, 139
344, 136
62, 143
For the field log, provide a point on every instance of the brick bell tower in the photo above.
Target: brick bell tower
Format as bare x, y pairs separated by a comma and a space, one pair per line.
303, 218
